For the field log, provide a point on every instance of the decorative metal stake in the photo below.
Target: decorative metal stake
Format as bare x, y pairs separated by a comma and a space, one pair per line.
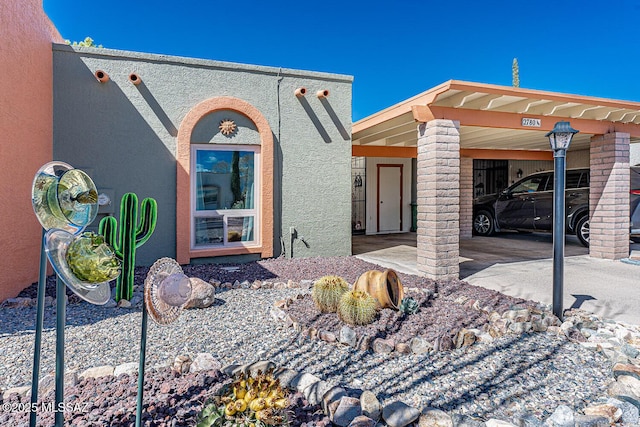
60, 324
37, 348
143, 351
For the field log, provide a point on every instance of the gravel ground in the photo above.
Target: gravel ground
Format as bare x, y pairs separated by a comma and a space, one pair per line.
531, 372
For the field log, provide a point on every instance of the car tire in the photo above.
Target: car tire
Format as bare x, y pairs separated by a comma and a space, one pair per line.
483, 223
582, 230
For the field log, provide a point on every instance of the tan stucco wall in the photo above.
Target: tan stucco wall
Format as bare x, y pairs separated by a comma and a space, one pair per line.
26, 120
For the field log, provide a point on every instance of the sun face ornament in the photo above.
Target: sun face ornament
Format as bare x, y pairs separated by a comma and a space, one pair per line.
228, 127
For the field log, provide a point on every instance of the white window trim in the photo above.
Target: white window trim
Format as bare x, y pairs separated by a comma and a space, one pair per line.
227, 213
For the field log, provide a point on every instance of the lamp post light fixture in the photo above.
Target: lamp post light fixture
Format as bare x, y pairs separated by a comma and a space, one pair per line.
560, 139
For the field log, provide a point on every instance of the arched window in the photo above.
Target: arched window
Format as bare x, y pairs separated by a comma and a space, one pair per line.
224, 183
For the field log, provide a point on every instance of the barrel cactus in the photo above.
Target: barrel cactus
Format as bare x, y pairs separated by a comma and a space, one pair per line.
357, 308
408, 306
254, 400
327, 292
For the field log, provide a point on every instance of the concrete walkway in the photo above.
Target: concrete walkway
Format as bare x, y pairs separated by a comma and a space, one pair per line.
521, 265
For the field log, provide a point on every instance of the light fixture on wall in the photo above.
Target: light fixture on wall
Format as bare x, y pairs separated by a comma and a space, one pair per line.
559, 139
519, 173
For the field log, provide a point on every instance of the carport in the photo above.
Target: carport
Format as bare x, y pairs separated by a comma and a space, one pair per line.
448, 126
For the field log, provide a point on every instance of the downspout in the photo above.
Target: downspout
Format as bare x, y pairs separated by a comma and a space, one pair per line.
283, 249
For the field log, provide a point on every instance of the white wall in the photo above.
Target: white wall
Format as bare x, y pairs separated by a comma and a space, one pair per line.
634, 154
527, 167
578, 159
372, 187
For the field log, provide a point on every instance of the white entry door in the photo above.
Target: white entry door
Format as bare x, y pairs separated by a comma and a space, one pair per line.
389, 198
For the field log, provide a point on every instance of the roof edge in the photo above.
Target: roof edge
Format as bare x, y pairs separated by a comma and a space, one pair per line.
209, 63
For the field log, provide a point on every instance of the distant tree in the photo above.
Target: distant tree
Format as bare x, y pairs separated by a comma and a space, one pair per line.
87, 42
515, 73
235, 177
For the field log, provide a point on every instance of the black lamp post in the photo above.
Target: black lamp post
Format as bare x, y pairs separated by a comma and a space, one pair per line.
560, 139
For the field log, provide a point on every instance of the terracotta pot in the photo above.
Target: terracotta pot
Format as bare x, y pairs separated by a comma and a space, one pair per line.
384, 286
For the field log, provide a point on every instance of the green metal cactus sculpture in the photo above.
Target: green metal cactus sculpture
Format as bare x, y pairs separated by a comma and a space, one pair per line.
132, 234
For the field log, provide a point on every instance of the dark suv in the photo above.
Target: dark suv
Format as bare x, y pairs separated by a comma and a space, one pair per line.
527, 205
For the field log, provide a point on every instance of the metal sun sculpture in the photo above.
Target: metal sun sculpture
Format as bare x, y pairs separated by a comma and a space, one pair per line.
227, 127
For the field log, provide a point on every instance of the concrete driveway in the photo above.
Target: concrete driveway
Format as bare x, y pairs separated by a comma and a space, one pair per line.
521, 265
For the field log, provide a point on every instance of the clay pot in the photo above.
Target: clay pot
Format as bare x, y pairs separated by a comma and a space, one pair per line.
384, 286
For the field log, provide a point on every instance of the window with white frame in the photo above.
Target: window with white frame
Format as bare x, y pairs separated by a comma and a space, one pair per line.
224, 195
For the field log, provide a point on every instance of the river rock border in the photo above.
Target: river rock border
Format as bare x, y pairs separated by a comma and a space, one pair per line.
618, 341
517, 320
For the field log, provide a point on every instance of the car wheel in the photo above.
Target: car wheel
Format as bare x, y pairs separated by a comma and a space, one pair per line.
483, 223
582, 230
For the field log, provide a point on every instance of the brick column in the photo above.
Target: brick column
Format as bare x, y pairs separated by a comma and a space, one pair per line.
466, 197
609, 196
439, 199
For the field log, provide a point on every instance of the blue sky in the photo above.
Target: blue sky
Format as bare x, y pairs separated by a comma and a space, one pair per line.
394, 49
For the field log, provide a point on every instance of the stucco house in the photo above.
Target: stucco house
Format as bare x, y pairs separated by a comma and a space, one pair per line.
244, 161
251, 162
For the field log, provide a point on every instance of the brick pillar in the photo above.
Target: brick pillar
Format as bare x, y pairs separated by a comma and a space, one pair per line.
466, 197
439, 199
609, 196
